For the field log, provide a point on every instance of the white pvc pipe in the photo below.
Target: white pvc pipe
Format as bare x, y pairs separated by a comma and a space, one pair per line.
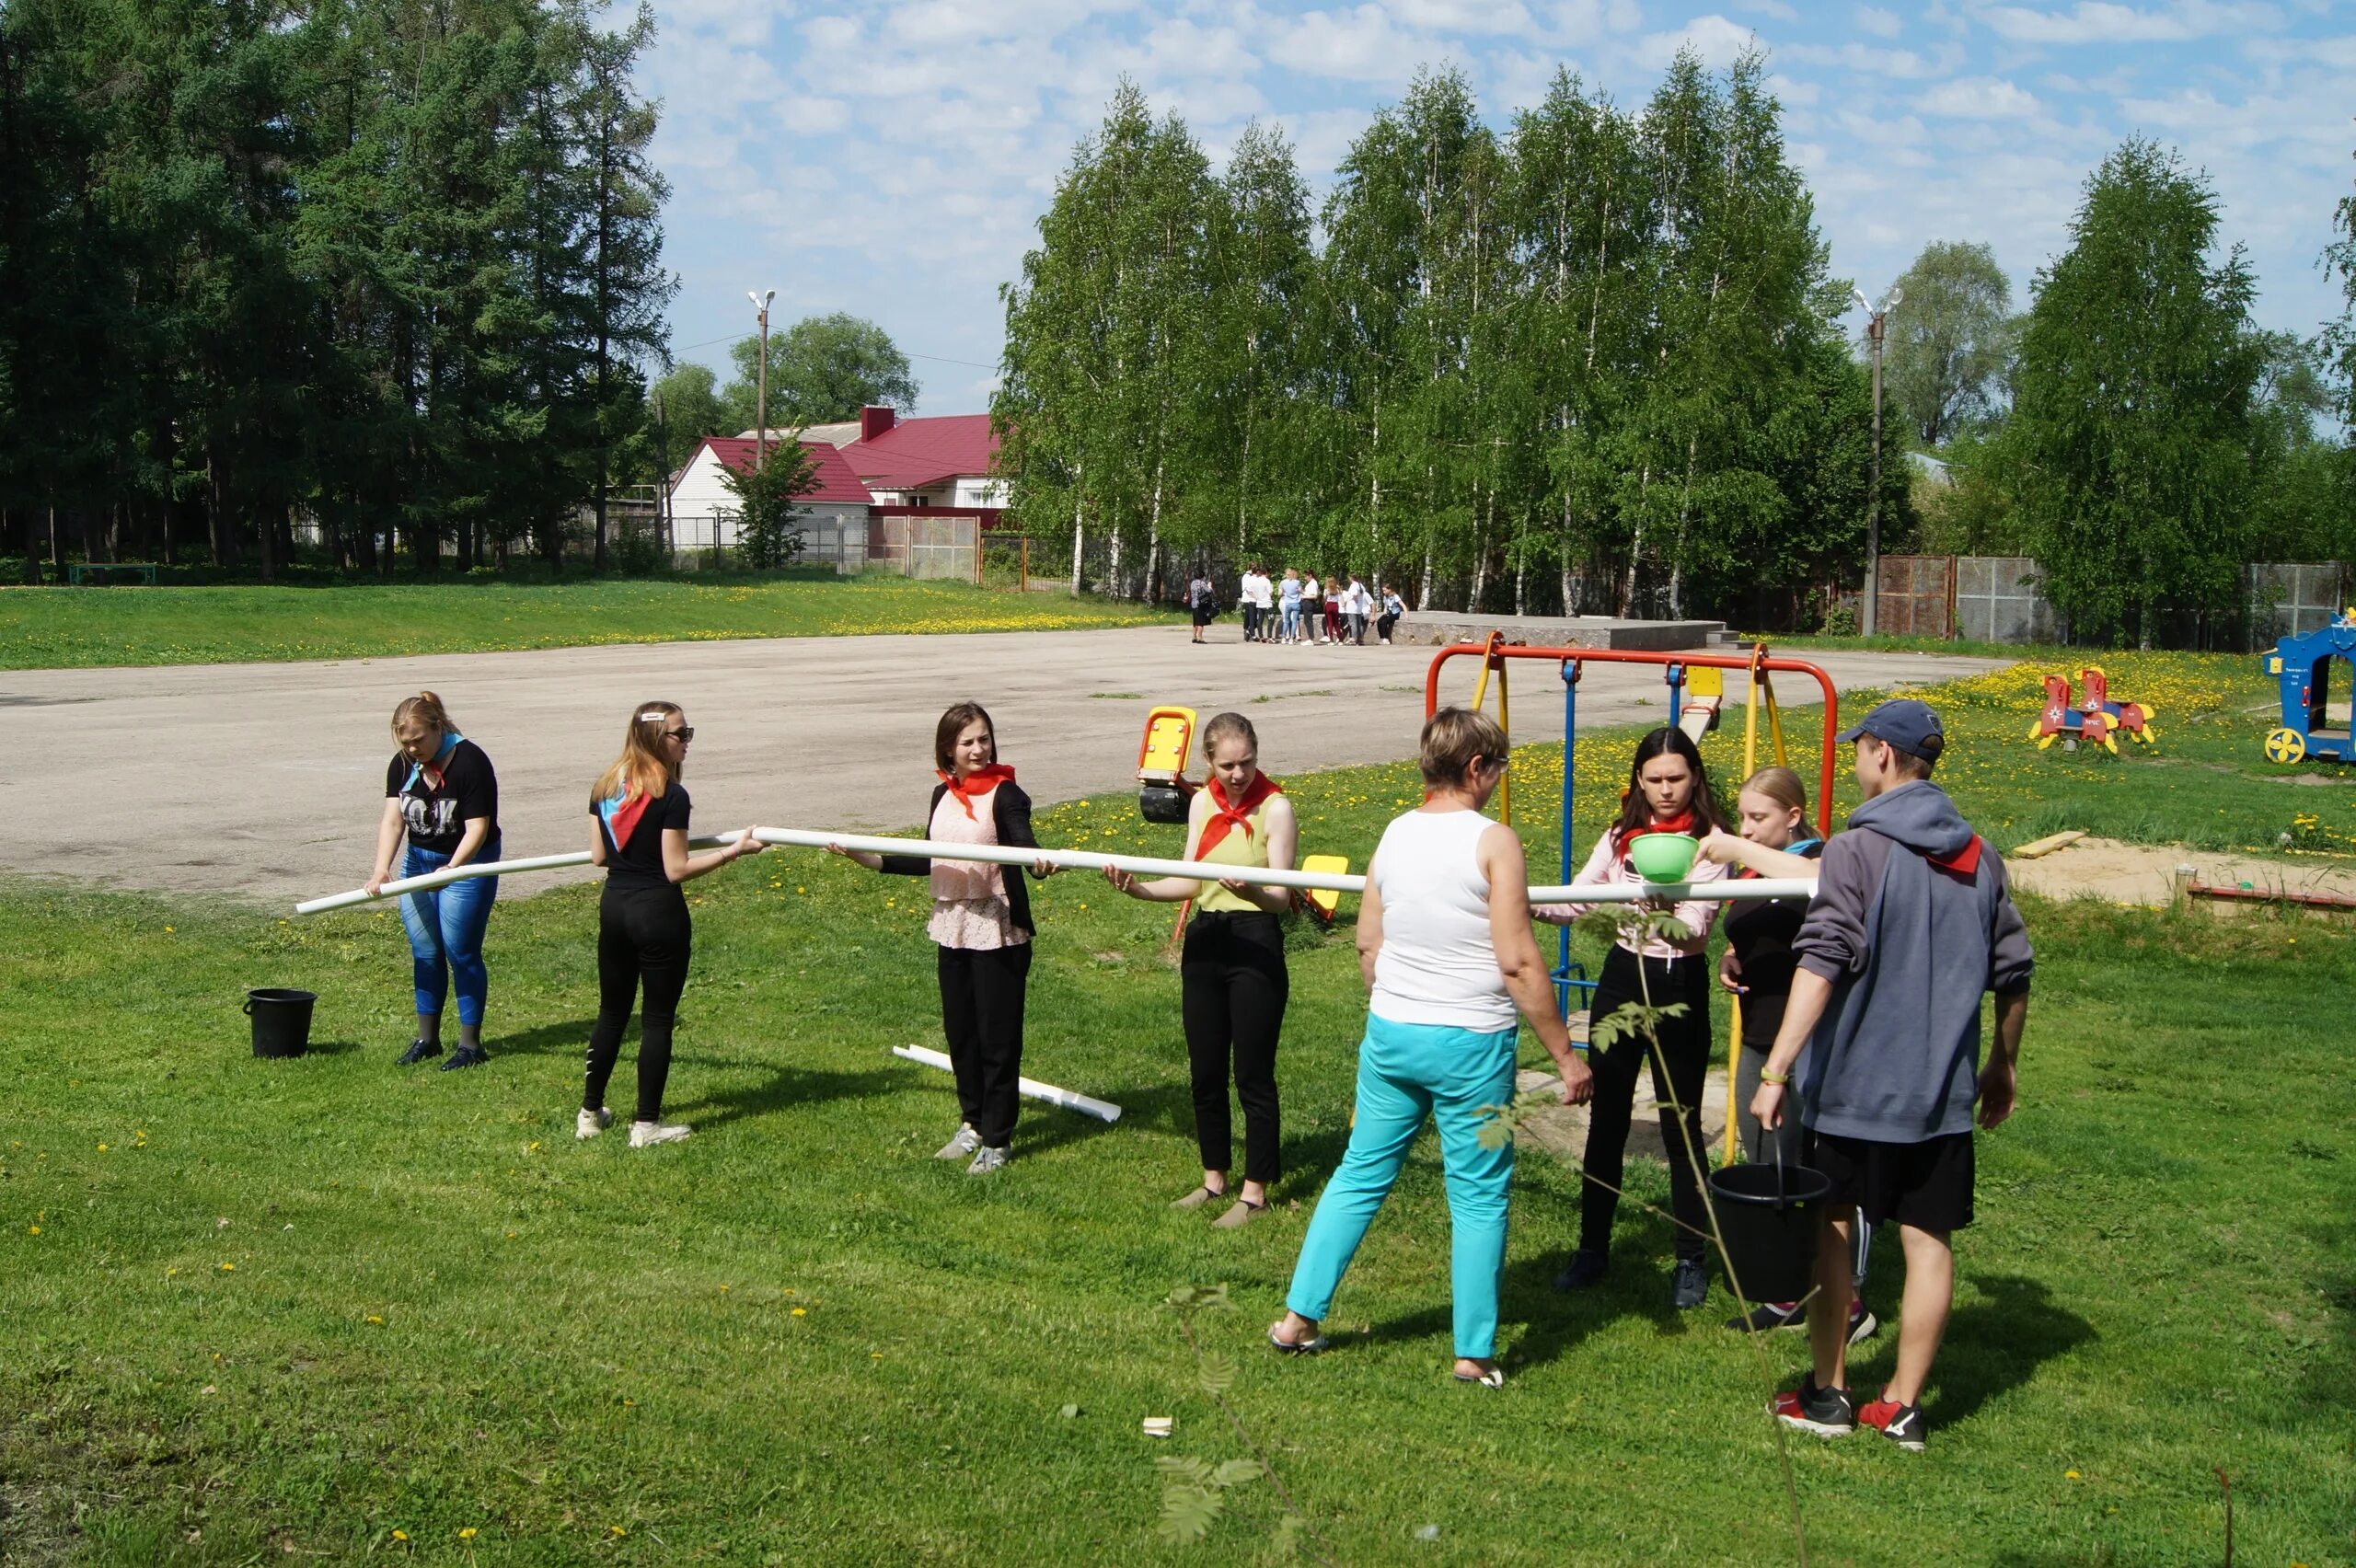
449, 874
1726, 890
1032, 1089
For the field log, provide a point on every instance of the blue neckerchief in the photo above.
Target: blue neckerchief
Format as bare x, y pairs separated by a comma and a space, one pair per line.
1802, 845
450, 740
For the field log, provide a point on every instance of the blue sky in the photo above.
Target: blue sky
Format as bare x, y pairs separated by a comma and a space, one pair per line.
891, 158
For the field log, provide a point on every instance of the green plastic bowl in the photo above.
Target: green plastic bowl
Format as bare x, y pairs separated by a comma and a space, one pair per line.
1664, 856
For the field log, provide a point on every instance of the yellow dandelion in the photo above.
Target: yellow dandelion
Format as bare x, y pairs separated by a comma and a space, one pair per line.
467, 1533
802, 1312
228, 1268
2070, 1475
32, 1229
375, 1319
400, 1535
102, 1148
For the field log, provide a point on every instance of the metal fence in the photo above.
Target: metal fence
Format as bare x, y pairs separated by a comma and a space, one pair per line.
1915, 597
922, 544
2291, 599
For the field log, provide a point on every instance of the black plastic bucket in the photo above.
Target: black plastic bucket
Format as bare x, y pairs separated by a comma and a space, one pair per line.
1768, 1214
282, 1021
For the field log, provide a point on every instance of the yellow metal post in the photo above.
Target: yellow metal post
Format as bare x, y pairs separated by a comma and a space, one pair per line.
1490, 661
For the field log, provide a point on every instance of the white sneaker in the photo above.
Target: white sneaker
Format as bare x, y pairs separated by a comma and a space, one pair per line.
989, 1159
644, 1133
965, 1143
589, 1124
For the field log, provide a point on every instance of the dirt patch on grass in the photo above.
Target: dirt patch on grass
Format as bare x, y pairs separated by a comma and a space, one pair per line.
2143, 873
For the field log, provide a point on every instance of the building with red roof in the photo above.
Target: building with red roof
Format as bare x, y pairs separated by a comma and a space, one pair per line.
941, 462
834, 514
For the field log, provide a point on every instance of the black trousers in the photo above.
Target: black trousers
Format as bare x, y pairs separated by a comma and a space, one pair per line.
1232, 986
981, 1012
643, 938
1250, 622
1685, 1049
1383, 625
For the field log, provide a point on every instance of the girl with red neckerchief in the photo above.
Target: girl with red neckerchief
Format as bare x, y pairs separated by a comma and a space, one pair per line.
981, 922
1233, 981
1669, 791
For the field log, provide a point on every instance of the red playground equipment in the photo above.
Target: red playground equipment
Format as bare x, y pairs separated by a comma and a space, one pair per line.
2098, 721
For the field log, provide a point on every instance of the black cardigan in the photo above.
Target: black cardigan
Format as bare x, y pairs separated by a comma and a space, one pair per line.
1010, 810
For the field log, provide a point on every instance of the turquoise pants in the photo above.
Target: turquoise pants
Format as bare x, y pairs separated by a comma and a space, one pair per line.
1406, 1072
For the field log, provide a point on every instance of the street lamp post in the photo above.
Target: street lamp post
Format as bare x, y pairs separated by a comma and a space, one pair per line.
761, 427
1877, 317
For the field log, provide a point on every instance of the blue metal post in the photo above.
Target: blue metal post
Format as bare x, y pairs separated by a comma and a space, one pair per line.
1570, 868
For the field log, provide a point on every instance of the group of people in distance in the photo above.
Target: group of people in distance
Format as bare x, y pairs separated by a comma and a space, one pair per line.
1298, 609
1861, 1041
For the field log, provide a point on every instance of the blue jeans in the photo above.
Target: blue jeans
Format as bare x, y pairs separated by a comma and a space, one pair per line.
1291, 621
446, 926
1406, 1072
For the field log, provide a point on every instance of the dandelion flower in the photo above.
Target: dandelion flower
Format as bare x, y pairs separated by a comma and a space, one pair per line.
467, 1533
400, 1535
375, 1319
228, 1267
802, 1312
32, 1229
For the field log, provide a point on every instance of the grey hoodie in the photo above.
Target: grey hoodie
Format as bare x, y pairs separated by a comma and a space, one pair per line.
1912, 920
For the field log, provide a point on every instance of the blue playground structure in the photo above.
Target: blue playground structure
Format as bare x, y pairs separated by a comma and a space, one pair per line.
2302, 667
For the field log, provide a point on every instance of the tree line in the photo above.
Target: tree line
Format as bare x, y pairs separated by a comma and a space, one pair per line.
2133, 431
387, 269
1590, 363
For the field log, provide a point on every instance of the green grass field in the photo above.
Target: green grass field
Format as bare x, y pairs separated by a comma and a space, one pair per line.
329, 1309
59, 628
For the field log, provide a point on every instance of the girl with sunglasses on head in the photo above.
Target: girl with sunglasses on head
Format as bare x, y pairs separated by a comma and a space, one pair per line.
441, 793
981, 923
1232, 982
1669, 791
638, 833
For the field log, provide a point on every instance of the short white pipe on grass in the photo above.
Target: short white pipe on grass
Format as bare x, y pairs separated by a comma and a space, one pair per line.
1032, 1089
1728, 890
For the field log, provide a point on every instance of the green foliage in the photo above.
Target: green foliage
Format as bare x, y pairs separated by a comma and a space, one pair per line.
682, 408
2131, 410
822, 368
1590, 363
1948, 345
389, 269
769, 533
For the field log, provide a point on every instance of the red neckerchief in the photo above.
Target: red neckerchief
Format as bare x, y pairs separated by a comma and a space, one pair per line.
1681, 822
1225, 816
1964, 862
975, 785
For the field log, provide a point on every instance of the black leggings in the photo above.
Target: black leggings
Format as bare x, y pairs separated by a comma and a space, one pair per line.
1232, 987
1685, 1048
643, 934
982, 992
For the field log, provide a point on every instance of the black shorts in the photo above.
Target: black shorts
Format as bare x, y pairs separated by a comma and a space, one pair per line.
1926, 1184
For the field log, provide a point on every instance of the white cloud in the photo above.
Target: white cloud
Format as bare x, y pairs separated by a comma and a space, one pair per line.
1776, 8
1361, 45
1718, 41
1461, 15
1979, 98
805, 116
1871, 61
1875, 20
2100, 21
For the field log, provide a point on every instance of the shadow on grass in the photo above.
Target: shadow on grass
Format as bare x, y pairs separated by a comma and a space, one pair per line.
1992, 1347
569, 1039
787, 1087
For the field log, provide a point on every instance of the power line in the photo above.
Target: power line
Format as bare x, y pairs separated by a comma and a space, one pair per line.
937, 358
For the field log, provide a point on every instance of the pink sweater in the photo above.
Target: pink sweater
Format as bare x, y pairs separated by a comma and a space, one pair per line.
1608, 864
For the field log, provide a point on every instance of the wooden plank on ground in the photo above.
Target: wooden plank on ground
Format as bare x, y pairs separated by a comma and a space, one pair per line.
2045, 845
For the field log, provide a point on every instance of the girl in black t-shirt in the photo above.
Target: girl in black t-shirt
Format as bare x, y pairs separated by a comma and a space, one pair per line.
1757, 966
638, 833
440, 793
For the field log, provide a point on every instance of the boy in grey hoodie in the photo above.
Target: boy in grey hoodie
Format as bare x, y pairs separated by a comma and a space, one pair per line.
1912, 921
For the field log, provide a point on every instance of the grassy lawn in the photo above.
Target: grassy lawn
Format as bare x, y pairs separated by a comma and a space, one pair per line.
60, 628
253, 1309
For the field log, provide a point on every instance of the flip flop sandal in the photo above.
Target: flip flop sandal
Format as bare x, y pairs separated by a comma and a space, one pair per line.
1306, 1347
1494, 1378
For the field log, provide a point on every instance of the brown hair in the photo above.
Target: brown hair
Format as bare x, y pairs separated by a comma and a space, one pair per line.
1452, 738
1636, 813
1780, 785
1224, 725
426, 709
953, 724
641, 768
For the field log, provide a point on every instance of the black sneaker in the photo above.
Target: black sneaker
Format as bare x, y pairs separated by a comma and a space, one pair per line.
1902, 1424
1769, 1316
1828, 1412
1862, 1325
1586, 1268
465, 1056
1690, 1285
419, 1049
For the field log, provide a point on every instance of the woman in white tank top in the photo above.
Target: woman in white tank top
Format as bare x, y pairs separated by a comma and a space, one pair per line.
1445, 945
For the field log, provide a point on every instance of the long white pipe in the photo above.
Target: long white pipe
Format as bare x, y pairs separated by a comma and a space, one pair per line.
1087, 1105
1728, 890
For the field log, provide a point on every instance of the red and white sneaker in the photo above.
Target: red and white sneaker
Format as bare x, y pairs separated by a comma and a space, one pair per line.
1828, 1412
1901, 1424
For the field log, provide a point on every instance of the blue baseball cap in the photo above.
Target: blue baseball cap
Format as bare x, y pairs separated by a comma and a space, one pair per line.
1905, 724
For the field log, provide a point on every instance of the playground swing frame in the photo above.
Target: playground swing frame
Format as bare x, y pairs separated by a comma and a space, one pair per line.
1495, 652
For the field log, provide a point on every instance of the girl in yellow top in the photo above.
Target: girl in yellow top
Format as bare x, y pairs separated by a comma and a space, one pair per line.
1232, 983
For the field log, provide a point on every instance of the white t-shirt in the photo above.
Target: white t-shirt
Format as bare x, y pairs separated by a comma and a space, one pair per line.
1437, 964
1256, 589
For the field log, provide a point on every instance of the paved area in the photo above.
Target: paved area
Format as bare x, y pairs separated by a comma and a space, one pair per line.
266, 780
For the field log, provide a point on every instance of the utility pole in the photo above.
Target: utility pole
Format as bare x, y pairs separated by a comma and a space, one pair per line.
1877, 317
761, 427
